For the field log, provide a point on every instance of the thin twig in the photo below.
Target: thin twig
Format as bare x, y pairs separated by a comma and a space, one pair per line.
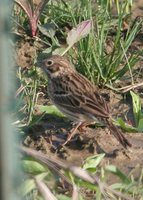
19, 90
126, 88
75, 193
130, 87
44, 190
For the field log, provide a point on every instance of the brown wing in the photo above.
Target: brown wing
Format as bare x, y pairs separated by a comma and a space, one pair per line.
76, 94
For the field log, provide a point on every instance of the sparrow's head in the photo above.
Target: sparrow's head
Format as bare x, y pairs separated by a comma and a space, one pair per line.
56, 65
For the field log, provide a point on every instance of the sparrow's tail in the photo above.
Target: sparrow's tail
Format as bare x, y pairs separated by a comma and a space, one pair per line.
118, 134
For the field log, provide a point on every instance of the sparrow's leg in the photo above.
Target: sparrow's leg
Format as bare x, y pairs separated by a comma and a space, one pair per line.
72, 133
82, 127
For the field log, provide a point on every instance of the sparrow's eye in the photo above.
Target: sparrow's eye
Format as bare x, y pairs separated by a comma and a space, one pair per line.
49, 63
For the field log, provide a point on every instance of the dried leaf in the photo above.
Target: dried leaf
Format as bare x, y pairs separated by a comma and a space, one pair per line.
81, 31
26, 6
39, 9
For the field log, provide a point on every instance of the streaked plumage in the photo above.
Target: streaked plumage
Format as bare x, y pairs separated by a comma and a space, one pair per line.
76, 96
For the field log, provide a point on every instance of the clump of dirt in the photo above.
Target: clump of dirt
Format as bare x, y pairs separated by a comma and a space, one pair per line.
137, 9
27, 49
26, 54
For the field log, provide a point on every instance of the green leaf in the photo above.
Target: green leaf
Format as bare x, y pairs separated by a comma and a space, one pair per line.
122, 186
136, 107
113, 169
33, 167
29, 184
50, 110
124, 126
93, 161
62, 197
140, 125
59, 51
48, 29
27, 187
86, 184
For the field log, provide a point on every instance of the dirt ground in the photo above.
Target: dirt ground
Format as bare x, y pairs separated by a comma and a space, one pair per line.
48, 134
137, 8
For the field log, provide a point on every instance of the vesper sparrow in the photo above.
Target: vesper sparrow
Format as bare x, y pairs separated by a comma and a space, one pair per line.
77, 97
